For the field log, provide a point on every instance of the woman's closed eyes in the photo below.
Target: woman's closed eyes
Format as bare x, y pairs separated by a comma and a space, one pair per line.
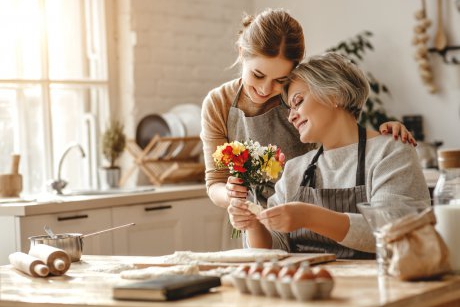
281, 81
296, 102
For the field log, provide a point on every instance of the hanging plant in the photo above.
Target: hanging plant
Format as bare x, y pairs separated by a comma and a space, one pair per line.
373, 112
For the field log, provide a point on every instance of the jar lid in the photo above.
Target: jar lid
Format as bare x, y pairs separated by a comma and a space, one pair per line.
449, 158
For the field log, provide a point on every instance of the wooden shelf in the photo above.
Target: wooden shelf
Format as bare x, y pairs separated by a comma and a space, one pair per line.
167, 160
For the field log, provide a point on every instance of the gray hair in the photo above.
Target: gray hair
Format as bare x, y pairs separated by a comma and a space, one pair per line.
334, 80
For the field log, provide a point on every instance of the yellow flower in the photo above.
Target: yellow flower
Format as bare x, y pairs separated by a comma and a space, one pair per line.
272, 168
237, 147
217, 155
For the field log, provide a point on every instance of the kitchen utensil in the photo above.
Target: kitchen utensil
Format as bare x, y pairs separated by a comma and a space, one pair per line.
148, 127
49, 232
440, 39
106, 230
11, 184
56, 259
72, 243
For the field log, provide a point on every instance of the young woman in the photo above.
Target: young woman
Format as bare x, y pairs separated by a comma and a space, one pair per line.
270, 46
314, 207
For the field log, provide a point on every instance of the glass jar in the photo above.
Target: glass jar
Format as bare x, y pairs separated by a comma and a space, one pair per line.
446, 198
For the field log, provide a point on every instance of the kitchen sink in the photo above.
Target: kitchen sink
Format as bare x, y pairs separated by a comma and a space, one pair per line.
93, 192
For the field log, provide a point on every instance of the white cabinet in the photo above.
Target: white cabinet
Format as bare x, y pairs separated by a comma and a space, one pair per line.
162, 228
83, 222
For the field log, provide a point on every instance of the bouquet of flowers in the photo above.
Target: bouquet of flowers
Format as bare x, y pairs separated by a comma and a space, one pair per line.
250, 161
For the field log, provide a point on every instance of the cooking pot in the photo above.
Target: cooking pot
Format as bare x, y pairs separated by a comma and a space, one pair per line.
71, 243
427, 153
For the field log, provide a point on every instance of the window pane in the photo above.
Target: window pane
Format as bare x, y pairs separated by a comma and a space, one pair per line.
74, 112
65, 28
7, 98
21, 126
32, 139
20, 25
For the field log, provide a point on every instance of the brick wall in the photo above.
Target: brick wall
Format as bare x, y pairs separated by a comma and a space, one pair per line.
172, 52
182, 50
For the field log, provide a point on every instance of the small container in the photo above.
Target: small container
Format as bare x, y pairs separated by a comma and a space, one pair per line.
254, 285
324, 283
446, 197
269, 277
253, 278
283, 284
256, 268
304, 272
239, 278
304, 290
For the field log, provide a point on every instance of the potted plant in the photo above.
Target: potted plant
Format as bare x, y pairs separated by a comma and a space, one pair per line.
113, 145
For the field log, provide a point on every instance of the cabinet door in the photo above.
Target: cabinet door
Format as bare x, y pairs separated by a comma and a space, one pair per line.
158, 230
83, 222
205, 223
163, 228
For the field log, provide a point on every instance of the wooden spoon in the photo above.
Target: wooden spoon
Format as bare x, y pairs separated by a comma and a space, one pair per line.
440, 39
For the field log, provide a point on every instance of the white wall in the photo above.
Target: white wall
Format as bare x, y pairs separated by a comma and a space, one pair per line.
327, 22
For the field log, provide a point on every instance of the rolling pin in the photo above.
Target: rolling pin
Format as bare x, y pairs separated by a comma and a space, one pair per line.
57, 260
11, 184
28, 264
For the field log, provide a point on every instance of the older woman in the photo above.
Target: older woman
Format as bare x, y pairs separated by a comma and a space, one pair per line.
314, 206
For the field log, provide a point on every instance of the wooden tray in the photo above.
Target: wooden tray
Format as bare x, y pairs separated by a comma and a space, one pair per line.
295, 258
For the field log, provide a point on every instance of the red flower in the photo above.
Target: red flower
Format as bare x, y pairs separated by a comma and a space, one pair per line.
227, 154
239, 160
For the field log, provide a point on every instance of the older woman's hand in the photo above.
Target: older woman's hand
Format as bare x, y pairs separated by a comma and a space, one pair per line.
235, 189
240, 216
284, 218
397, 129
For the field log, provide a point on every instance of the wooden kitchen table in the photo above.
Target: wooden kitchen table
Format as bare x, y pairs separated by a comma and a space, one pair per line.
88, 283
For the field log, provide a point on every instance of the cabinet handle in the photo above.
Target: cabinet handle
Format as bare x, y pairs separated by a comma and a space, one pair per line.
72, 217
165, 207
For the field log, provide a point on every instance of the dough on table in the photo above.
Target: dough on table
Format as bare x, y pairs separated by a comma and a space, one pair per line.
233, 255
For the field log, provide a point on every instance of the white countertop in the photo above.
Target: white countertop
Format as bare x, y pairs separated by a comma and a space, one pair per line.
57, 204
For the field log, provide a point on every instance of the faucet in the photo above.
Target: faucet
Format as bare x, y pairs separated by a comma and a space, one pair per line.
59, 184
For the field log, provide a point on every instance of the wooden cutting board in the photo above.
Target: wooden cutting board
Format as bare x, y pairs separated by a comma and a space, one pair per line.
295, 258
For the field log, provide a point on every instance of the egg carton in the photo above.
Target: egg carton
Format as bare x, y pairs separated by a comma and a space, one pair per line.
286, 288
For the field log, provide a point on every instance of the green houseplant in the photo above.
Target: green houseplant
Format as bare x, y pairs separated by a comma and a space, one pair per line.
113, 145
373, 113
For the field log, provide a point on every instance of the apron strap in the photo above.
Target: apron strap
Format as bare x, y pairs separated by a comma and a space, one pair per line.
237, 96
360, 178
309, 174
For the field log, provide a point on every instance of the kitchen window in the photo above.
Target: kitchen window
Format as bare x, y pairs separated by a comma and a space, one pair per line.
53, 88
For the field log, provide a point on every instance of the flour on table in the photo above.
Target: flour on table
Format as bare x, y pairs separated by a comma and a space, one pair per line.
153, 272
233, 255
255, 209
113, 268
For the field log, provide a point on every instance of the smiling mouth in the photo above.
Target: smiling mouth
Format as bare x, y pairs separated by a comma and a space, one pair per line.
302, 123
260, 95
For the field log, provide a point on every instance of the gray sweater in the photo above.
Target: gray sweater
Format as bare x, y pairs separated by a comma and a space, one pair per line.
393, 172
